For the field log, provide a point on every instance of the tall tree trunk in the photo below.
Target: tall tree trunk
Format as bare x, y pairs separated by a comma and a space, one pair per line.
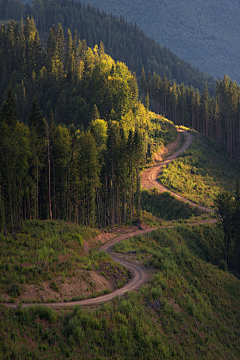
124, 207
138, 194
37, 210
54, 191
49, 183
112, 195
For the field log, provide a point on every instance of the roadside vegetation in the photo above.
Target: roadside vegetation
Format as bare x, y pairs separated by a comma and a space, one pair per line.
49, 255
201, 172
189, 309
196, 302
167, 207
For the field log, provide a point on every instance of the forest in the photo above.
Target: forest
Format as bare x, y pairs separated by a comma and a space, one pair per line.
217, 117
50, 166
204, 33
175, 91
122, 41
77, 106
75, 133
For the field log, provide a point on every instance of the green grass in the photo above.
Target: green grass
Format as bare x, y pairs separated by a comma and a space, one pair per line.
46, 250
161, 133
163, 130
199, 304
165, 206
188, 310
43, 250
201, 172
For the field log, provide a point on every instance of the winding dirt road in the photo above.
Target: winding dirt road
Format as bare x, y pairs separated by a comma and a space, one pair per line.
149, 176
139, 273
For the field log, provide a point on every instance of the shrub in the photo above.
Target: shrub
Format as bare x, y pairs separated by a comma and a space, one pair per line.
222, 265
156, 293
45, 313
54, 286
14, 290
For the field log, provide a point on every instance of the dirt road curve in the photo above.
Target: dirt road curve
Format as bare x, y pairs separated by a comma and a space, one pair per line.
149, 176
139, 277
139, 273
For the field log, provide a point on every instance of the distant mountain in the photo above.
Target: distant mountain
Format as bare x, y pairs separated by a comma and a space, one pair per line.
205, 33
123, 41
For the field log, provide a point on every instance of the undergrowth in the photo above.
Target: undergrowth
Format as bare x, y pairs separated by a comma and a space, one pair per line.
167, 207
188, 310
161, 133
42, 251
201, 172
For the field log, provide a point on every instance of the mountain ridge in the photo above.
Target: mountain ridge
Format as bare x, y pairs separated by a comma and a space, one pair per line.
204, 33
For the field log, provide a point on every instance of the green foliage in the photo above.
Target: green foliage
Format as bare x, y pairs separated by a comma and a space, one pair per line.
227, 207
54, 286
125, 42
165, 206
176, 315
195, 31
222, 265
201, 172
45, 313
161, 133
42, 248
14, 290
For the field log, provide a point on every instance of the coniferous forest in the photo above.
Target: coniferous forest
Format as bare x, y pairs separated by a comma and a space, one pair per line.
60, 171
122, 41
71, 97
76, 129
203, 32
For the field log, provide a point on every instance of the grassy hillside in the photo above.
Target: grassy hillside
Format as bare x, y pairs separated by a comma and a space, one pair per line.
188, 310
201, 172
205, 33
50, 261
195, 304
167, 207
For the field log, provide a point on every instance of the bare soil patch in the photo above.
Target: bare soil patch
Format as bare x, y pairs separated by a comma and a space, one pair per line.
84, 284
104, 236
167, 150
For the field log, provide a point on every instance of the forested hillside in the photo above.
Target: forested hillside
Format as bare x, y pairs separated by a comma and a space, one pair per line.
123, 41
60, 171
205, 33
217, 117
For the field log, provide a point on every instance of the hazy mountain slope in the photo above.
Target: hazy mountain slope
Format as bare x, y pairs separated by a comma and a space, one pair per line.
205, 33
123, 41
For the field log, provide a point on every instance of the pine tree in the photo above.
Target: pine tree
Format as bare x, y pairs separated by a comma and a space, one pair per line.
38, 138
9, 112
146, 102
236, 222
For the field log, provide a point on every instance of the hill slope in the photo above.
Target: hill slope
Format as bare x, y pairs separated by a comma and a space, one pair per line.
205, 33
122, 41
188, 310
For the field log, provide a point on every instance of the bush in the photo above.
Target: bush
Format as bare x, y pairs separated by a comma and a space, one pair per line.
222, 265
45, 313
54, 286
14, 290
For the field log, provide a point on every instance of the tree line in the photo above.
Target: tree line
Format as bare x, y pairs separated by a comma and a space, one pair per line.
217, 116
64, 76
227, 208
50, 166
69, 77
59, 172
123, 41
